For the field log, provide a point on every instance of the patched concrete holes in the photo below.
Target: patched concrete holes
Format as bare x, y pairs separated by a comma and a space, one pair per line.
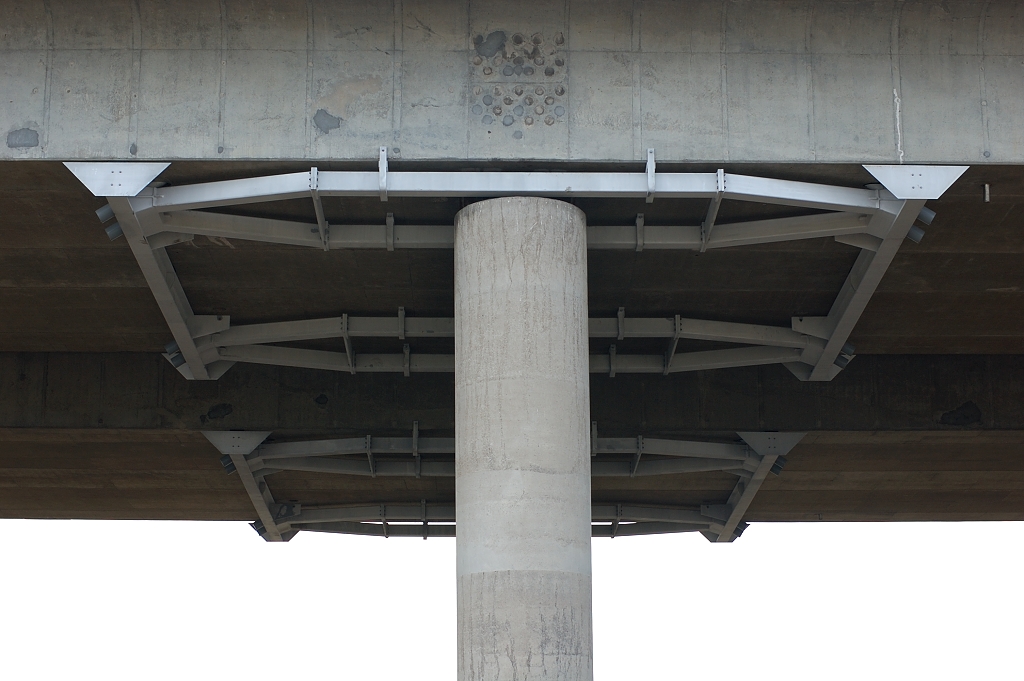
519, 81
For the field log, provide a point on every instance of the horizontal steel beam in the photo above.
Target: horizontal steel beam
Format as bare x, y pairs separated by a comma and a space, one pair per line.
312, 456
620, 237
664, 237
378, 530
493, 184
446, 445
425, 520
446, 469
444, 327
626, 529
437, 363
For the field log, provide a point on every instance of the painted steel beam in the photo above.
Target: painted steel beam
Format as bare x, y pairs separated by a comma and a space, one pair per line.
446, 469
444, 327
492, 184
613, 237
436, 363
163, 282
403, 519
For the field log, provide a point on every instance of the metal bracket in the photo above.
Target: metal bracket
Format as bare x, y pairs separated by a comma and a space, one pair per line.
384, 519
369, 456
712, 213
611, 361
771, 447
237, 445
318, 207
426, 527
115, 179
416, 453
382, 170
650, 176
348, 344
401, 323
635, 463
916, 182
673, 345
639, 232
405, 359
389, 231
622, 324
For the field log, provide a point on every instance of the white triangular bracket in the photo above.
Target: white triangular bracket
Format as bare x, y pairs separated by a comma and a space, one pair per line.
775, 444
115, 179
917, 182
236, 442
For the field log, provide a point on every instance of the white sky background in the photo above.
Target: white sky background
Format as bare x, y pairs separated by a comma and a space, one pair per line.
163, 600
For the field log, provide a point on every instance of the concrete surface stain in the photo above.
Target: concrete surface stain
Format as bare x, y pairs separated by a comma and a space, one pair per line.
219, 411
966, 414
325, 122
22, 138
489, 46
343, 94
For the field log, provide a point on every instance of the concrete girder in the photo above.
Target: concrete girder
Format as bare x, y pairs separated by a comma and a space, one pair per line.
149, 94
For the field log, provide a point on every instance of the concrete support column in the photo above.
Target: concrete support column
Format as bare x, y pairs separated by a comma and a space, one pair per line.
522, 441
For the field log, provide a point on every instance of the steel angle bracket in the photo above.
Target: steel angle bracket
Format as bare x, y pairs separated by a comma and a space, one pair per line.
115, 179
772, 448
235, 446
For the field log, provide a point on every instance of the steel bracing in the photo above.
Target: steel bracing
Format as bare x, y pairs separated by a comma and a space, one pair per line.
875, 220
152, 217
246, 454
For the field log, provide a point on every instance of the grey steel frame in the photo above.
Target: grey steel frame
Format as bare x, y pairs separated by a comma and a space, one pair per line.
751, 462
875, 219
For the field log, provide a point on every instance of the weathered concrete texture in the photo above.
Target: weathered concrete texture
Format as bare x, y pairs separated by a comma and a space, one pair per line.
883, 476
522, 441
747, 80
875, 393
115, 474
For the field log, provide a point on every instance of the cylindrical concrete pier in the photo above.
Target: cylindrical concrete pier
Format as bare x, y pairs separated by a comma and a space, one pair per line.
522, 441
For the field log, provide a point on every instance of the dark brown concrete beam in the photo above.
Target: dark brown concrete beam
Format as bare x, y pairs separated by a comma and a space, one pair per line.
890, 393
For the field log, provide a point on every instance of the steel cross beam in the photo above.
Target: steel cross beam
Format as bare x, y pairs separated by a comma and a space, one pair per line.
876, 219
185, 225
319, 456
403, 519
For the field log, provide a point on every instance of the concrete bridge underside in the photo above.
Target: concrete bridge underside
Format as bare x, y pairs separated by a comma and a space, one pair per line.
923, 418
925, 423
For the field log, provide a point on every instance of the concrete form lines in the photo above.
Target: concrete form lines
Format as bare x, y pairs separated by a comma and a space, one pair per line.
135, 86
636, 47
310, 48
222, 93
398, 48
48, 83
897, 78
